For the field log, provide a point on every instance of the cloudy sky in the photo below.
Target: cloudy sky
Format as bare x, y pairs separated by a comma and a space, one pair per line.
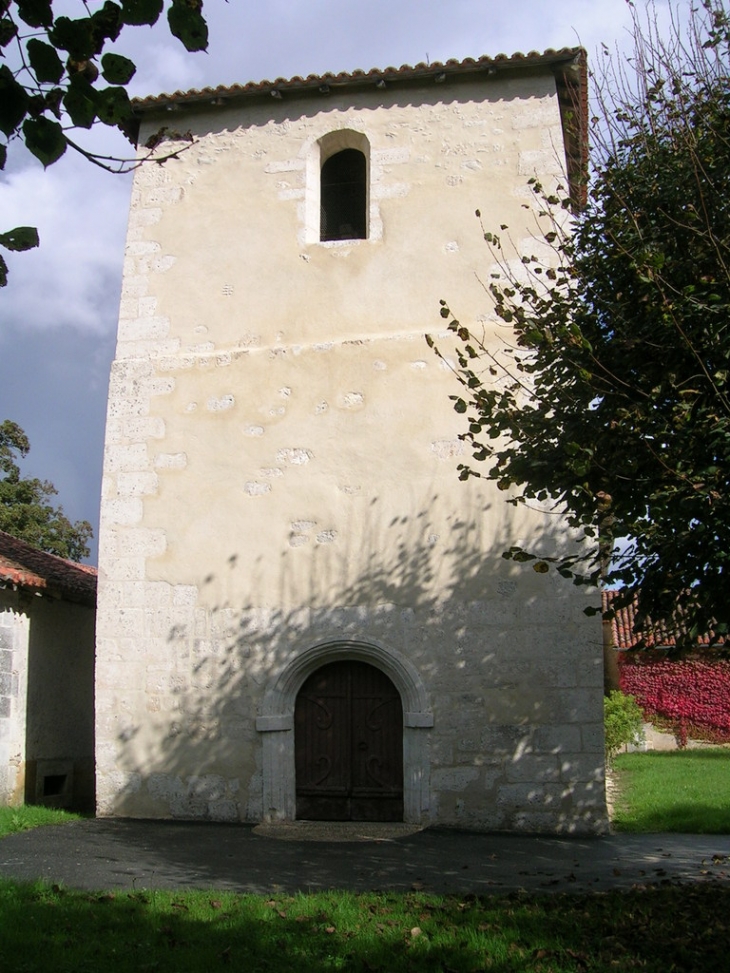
58, 314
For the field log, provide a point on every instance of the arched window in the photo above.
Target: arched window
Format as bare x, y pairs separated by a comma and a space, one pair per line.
343, 196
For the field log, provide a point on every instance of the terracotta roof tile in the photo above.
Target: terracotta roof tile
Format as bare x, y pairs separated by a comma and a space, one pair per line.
656, 635
405, 72
26, 567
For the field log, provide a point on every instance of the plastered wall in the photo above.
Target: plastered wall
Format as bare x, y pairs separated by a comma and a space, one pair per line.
280, 484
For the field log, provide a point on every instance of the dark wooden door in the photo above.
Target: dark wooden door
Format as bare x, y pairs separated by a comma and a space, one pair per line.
348, 726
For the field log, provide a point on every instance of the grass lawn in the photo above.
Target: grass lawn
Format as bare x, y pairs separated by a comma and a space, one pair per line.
22, 818
678, 790
654, 930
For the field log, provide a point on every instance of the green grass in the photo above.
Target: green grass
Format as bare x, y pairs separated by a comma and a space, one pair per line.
22, 818
655, 930
680, 790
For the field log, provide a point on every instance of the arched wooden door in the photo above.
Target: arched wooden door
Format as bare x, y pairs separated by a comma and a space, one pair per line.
348, 726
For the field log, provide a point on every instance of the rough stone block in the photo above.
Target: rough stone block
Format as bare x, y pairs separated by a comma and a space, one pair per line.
8, 684
562, 738
184, 595
453, 778
533, 767
125, 512
138, 484
141, 542
593, 736
126, 457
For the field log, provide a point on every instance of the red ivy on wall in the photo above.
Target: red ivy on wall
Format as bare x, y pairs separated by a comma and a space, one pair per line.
691, 697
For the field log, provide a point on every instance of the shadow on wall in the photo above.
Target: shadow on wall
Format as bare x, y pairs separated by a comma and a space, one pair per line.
511, 668
59, 722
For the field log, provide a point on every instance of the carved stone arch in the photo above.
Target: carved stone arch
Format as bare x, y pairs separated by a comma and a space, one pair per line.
276, 724
343, 138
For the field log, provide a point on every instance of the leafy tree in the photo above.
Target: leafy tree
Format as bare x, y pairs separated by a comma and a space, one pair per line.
25, 508
63, 78
614, 403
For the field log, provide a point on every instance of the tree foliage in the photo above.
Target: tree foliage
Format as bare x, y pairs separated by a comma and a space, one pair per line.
25, 508
58, 76
613, 400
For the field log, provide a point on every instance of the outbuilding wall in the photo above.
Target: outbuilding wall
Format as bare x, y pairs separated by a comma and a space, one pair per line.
46, 701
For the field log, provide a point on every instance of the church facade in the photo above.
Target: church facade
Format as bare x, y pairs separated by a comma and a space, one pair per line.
302, 612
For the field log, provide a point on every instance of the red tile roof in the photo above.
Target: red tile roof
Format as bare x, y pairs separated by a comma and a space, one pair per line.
26, 567
656, 635
568, 65
437, 71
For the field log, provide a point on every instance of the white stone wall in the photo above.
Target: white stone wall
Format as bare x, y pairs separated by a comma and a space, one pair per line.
280, 471
14, 631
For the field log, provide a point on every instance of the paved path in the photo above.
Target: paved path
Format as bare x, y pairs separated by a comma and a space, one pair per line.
121, 854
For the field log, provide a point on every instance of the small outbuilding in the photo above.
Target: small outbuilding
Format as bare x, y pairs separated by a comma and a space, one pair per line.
47, 620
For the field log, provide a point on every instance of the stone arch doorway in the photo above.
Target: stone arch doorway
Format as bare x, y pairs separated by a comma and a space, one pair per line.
348, 745
276, 725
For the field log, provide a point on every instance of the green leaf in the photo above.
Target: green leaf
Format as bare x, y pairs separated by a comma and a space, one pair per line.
139, 12
3, 272
13, 101
113, 106
44, 60
74, 36
45, 139
36, 13
21, 238
106, 24
541, 567
187, 23
8, 30
117, 69
80, 101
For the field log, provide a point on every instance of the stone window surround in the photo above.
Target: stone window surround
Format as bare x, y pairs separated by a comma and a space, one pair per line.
316, 153
276, 724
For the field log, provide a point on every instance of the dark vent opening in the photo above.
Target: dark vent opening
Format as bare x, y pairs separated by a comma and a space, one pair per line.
53, 784
343, 197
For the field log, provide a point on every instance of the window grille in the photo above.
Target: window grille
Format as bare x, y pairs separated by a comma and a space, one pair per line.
343, 196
